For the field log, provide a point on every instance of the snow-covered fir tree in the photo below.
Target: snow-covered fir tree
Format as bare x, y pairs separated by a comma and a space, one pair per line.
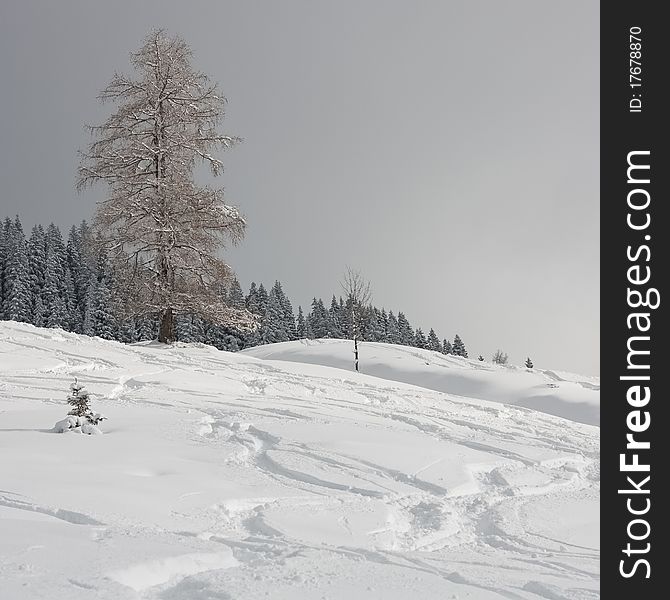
79, 399
458, 347
189, 328
383, 325
37, 255
99, 315
146, 327
420, 338
251, 300
235, 297
372, 328
309, 334
406, 333
446, 347
80, 271
318, 319
288, 318
262, 299
128, 331
334, 320
273, 328
528, 363
17, 292
434, 341
80, 418
4, 249
301, 327
55, 290
392, 330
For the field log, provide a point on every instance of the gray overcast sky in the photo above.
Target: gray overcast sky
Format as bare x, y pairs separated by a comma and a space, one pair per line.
449, 150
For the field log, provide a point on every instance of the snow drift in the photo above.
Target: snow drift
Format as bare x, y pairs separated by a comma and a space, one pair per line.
574, 397
225, 476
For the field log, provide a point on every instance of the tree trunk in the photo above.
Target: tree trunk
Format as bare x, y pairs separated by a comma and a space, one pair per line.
356, 352
166, 330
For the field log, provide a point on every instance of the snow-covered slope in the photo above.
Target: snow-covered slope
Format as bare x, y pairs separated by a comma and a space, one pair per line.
574, 397
222, 476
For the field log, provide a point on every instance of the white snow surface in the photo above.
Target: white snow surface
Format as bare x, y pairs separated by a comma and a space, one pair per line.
574, 397
224, 476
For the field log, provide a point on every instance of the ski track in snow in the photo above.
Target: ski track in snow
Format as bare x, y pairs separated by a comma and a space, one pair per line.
328, 481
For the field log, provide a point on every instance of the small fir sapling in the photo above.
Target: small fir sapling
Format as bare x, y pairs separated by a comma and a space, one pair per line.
81, 415
79, 401
529, 363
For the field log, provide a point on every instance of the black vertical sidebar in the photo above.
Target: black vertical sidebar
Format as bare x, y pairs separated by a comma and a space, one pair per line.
635, 191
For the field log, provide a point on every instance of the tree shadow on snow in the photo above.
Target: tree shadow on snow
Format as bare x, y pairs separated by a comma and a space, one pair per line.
28, 429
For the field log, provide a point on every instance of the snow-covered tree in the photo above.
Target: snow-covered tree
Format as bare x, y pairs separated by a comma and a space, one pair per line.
231, 344
383, 325
446, 347
500, 357
309, 334
251, 300
288, 318
262, 297
189, 328
273, 328
99, 318
77, 261
235, 297
79, 399
163, 231
318, 319
301, 327
99, 315
420, 339
392, 330
147, 327
334, 320
55, 291
17, 289
458, 347
372, 328
528, 363
480, 358
37, 255
358, 293
128, 331
3, 261
5, 232
81, 417
434, 341
405, 330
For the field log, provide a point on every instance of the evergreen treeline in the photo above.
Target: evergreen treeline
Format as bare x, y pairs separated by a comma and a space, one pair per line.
52, 282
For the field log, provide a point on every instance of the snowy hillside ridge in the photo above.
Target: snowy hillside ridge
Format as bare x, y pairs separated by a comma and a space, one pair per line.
224, 476
574, 397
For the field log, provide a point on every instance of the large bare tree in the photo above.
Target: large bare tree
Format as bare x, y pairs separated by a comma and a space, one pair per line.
358, 294
163, 231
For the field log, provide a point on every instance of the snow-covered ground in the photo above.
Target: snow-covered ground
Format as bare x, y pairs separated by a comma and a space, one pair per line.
224, 476
574, 397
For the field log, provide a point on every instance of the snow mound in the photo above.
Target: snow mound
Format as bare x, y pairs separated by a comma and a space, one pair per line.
566, 395
172, 568
68, 423
227, 476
